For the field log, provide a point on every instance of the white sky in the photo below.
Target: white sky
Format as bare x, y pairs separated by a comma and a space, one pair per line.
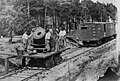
107, 1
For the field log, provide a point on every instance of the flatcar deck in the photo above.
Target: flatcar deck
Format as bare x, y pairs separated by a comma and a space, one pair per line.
5, 54
22, 76
73, 57
44, 55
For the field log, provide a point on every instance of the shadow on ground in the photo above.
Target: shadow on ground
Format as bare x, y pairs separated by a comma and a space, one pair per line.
109, 76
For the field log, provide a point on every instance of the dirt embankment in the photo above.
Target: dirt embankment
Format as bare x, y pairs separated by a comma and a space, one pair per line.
102, 69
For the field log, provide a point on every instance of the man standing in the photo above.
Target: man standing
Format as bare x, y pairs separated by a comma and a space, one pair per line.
47, 39
62, 35
30, 40
25, 39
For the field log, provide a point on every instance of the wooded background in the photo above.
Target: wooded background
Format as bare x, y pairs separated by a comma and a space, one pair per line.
21, 15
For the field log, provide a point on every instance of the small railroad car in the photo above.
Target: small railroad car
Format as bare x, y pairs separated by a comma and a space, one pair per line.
96, 33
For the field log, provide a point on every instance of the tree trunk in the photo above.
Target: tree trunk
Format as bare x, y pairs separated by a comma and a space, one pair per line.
11, 37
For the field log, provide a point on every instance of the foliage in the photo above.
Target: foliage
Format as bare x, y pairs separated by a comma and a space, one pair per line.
100, 11
7, 14
15, 15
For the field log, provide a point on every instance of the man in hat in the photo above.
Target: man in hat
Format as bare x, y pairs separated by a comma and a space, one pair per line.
31, 36
62, 35
47, 39
25, 40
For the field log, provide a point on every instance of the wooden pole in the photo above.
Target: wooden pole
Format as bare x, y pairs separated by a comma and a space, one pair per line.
45, 16
28, 6
38, 19
11, 30
101, 17
6, 66
68, 72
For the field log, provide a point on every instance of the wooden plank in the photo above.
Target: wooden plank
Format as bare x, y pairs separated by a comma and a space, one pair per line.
6, 66
41, 55
8, 53
3, 56
38, 55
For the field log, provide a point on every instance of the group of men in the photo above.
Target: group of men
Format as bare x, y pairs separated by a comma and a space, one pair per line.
61, 34
48, 37
58, 38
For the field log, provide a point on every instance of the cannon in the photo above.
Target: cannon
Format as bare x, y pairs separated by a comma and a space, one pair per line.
42, 57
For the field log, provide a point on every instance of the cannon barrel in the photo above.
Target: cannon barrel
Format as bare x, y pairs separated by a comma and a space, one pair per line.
39, 33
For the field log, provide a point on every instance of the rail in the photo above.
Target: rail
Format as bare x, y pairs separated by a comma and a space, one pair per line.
108, 46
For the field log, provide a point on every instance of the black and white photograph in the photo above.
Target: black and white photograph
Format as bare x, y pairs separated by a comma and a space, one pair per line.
59, 40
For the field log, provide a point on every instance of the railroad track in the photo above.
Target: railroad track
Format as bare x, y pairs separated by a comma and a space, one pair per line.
22, 75
75, 52
27, 74
70, 51
30, 74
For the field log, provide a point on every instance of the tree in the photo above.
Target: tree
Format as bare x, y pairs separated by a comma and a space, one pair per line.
100, 11
111, 10
25, 19
7, 15
22, 15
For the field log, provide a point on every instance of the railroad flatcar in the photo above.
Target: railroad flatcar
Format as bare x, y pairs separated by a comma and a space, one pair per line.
95, 33
39, 54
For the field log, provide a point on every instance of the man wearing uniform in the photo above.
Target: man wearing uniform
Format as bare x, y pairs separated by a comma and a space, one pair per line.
47, 39
25, 39
62, 35
31, 37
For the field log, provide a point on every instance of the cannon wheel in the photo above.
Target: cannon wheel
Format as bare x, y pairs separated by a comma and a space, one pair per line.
49, 62
99, 42
57, 59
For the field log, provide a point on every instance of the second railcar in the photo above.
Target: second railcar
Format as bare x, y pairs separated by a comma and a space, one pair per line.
96, 33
